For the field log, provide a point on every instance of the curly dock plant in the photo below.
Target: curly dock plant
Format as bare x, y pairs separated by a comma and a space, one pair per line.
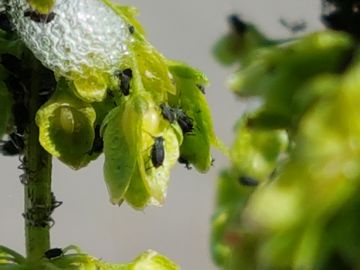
289, 199
78, 79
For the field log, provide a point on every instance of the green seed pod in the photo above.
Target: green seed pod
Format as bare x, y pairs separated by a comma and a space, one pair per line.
160, 144
192, 102
137, 195
66, 126
121, 130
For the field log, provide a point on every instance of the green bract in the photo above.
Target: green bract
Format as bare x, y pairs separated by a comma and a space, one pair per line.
66, 126
301, 145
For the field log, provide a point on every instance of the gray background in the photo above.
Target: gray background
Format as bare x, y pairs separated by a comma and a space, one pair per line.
184, 30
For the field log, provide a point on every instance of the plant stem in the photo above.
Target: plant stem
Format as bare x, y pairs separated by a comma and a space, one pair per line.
38, 164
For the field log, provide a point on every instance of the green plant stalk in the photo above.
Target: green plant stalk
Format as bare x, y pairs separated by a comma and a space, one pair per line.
38, 164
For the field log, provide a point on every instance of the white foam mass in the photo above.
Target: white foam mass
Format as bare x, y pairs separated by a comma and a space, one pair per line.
82, 33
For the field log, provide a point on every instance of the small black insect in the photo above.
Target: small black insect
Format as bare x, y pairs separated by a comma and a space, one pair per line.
184, 161
39, 17
54, 203
184, 121
238, 25
98, 143
14, 146
342, 15
7, 148
53, 253
158, 152
201, 88
125, 77
5, 22
168, 113
248, 181
131, 29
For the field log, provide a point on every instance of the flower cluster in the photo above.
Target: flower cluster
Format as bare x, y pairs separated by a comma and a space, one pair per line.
112, 92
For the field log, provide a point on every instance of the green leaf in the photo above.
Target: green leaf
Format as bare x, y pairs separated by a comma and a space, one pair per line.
196, 145
184, 71
121, 132
153, 70
137, 194
66, 126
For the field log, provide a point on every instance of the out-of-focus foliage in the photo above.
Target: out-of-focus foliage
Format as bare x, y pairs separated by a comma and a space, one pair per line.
289, 199
129, 102
71, 258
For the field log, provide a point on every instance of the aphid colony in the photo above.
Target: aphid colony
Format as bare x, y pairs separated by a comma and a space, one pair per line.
173, 115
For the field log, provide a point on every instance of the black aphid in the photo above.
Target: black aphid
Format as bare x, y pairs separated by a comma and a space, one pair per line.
201, 88
124, 77
13, 146
53, 253
54, 202
98, 143
184, 121
39, 17
8, 148
158, 152
184, 161
342, 15
248, 181
5, 22
237, 24
131, 29
168, 113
